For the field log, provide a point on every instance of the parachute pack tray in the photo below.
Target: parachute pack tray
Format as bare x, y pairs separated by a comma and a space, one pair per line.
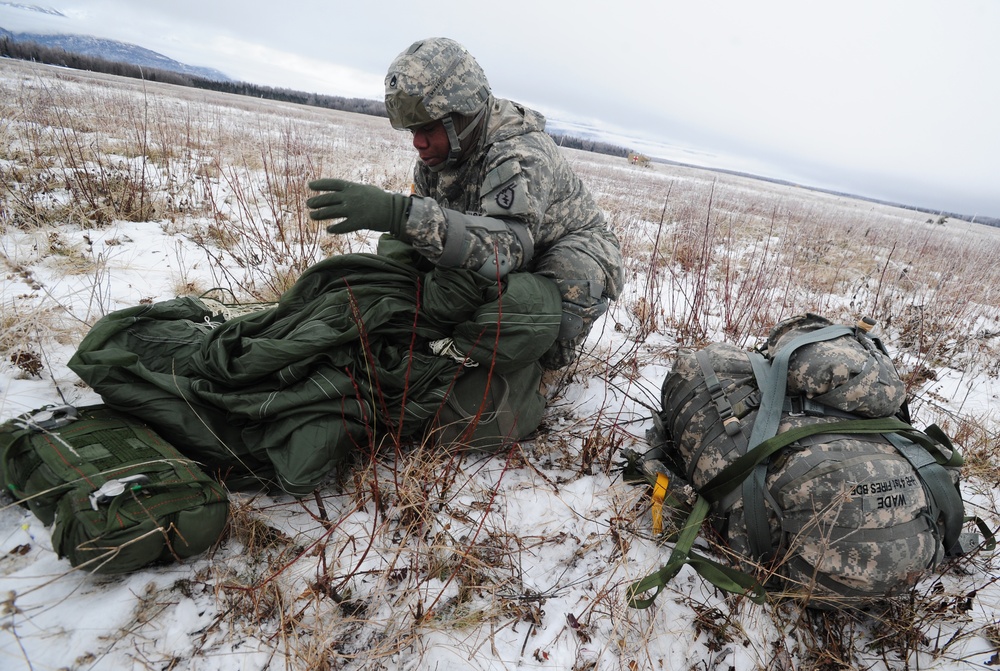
117, 496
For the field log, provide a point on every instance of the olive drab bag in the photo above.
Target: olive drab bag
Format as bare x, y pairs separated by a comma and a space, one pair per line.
803, 457
118, 497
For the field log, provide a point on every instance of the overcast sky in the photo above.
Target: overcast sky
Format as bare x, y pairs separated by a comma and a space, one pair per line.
893, 99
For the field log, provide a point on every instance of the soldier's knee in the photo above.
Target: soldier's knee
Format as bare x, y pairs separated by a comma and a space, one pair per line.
583, 302
578, 319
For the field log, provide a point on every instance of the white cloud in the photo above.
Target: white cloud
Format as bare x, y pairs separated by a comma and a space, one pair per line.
261, 64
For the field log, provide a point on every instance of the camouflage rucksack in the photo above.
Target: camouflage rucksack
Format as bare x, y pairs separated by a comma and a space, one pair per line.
803, 456
117, 496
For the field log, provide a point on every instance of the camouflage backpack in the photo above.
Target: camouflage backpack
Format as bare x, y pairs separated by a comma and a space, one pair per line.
803, 456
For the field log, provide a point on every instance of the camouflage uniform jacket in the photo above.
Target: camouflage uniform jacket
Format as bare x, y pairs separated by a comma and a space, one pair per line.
517, 174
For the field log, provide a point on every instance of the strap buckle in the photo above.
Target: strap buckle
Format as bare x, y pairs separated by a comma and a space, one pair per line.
51, 418
115, 487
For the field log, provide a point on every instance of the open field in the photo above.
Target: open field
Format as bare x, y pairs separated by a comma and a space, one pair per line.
114, 192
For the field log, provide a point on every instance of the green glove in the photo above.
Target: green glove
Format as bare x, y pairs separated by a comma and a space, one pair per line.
359, 205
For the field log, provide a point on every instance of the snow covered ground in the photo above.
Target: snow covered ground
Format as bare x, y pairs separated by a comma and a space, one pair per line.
421, 561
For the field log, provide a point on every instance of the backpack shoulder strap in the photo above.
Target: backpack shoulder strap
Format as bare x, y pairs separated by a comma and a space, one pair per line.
723, 577
772, 380
944, 498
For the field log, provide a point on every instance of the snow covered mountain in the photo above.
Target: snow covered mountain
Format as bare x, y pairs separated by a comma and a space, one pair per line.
113, 50
53, 29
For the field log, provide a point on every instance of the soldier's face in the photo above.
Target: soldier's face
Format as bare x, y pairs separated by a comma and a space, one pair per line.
431, 143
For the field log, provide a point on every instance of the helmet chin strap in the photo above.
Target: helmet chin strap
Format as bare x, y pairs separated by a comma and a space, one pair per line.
455, 139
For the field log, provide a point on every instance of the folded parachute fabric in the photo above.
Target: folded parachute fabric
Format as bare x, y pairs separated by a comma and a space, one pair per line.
281, 395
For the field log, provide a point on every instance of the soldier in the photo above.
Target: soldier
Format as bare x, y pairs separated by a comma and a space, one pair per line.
492, 192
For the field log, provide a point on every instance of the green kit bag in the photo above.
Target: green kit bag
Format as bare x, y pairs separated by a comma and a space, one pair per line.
118, 497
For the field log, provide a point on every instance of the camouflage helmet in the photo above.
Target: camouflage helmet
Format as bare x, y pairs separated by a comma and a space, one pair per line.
431, 80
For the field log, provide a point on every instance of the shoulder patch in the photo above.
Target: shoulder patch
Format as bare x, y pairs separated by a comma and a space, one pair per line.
504, 190
501, 174
505, 196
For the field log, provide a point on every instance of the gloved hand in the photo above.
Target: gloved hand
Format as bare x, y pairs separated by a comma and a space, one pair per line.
360, 206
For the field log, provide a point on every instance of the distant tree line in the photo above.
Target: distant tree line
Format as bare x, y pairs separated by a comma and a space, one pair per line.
589, 145
357, 105
32, 51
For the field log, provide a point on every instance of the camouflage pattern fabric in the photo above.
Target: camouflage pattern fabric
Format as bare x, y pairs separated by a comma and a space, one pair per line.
691, 419
851, 519
849, 514
849, 373
431, 79
517, 174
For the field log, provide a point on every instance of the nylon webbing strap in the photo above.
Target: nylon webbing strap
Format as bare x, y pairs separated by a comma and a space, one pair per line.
932, 439
64, 459
726, 481
678, 556
772, 381
835, 534
723, 577
735, 473
456, 242
765, 426
945, 498
714, 386
523, 236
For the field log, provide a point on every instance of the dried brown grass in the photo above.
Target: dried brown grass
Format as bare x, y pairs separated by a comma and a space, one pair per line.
418, 544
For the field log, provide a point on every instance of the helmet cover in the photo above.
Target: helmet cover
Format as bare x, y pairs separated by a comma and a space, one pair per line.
431, 80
